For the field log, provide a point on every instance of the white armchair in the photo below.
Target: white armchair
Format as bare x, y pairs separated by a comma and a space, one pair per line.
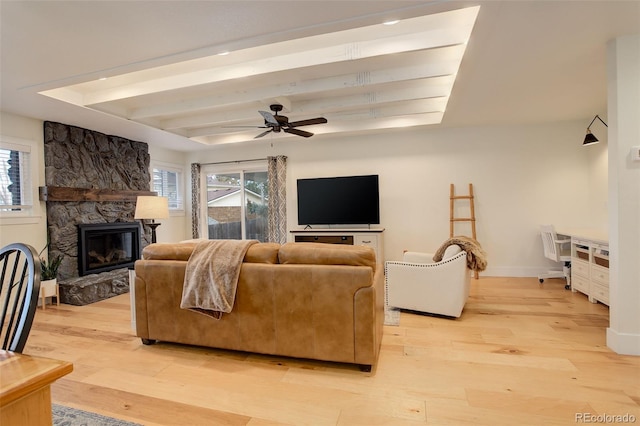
420, 284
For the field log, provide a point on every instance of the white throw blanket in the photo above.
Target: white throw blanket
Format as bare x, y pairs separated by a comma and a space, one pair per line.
211, 276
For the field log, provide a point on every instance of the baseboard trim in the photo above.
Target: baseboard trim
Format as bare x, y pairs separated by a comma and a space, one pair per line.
623, 343
515, 271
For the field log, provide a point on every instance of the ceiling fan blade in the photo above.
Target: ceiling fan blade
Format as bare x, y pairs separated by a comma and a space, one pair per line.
263, 133
245, 127
298, 132
268, 117
319, 120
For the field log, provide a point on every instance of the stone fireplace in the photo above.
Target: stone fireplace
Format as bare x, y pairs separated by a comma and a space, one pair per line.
92, 182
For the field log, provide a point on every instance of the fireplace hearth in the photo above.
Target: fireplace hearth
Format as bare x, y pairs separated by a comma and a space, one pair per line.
103, 247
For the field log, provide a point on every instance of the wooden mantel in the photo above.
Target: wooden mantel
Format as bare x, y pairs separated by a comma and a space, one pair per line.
59, 193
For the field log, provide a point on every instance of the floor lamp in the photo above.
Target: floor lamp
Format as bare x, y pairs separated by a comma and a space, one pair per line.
152, 207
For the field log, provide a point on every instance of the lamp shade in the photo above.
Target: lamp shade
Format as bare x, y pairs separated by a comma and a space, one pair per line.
151, 207
589, 139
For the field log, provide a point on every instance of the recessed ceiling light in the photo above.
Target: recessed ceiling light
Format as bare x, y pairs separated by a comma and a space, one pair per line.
392, 22
102, 78
225, 53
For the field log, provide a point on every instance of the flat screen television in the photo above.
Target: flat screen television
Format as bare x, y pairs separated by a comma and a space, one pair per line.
345, 200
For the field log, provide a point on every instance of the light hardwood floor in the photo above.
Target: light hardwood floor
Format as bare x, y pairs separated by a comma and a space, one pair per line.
521, 354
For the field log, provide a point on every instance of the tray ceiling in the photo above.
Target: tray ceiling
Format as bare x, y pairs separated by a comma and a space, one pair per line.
374, 77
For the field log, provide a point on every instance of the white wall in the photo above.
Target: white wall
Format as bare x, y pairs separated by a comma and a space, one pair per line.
26, 230
174, 228
522, 175
598, 168
623, 67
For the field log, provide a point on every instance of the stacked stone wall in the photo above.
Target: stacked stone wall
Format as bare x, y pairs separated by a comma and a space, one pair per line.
81, 158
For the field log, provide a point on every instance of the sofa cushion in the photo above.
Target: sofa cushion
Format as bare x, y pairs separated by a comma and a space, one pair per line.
257, 253
262, 253
168, 251
327, 254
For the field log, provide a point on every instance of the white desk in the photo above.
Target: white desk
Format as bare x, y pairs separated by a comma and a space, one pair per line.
596, 235
589, 263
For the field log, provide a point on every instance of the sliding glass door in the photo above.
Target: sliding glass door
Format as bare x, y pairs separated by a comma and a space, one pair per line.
256, 205
236, 202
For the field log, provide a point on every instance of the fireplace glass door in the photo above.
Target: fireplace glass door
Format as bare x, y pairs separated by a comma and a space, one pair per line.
107, 246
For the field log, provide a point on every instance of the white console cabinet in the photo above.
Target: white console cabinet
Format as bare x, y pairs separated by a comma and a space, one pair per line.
590, 269
359, 237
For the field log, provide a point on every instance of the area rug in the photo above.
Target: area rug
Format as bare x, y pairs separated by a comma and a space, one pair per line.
67, 416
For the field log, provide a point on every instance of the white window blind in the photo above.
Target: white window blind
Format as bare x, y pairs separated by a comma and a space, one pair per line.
15, 178
168, 182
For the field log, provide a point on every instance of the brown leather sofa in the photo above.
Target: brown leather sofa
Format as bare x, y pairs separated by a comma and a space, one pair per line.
304, 300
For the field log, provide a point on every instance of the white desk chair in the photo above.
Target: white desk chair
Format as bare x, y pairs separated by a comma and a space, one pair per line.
558, 251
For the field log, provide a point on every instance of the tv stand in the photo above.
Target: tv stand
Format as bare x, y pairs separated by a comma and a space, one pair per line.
359, 237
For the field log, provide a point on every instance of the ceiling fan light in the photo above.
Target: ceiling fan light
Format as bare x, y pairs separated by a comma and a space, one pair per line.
589, 139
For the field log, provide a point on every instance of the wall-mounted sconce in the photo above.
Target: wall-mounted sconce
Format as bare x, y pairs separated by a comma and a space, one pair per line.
590, 137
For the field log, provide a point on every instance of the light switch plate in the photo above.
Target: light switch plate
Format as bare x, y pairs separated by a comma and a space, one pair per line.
635, 153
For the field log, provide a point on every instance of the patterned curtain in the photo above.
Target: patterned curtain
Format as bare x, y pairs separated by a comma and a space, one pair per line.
277, 174
195, 200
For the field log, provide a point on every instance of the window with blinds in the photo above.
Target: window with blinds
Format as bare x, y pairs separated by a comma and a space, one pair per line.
15, 178
168, 182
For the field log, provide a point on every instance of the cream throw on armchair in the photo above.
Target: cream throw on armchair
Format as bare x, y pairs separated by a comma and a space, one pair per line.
476, 256
420, 284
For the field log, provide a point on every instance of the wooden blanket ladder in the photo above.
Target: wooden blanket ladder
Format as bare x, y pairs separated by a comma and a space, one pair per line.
472, 214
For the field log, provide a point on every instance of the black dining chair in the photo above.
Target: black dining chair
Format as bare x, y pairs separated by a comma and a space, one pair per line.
20, 285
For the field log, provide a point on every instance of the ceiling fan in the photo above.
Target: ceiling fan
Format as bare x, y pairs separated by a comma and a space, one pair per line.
275, 123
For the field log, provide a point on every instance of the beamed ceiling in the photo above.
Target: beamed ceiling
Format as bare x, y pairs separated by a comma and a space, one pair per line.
373, 77
193, 75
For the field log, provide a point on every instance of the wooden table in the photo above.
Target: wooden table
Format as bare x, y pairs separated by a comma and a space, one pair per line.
25, 393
